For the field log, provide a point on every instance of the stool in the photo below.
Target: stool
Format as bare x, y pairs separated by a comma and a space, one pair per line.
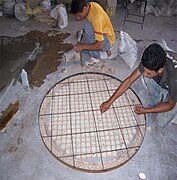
132, 14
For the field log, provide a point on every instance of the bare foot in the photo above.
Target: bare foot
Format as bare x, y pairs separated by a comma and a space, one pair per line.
108, 52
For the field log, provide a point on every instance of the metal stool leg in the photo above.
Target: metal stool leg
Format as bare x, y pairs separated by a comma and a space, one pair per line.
128, 13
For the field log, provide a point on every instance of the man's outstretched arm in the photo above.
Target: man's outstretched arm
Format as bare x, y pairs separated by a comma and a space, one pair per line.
97, 46
120, 90
161, 107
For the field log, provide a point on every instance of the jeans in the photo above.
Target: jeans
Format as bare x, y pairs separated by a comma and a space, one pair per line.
90, 39
158, 94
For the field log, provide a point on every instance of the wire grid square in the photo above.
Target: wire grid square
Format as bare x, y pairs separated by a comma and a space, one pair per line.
110, 141
97, 85
126, 116
122, 101
98, 98
78, 87
85, 143
106, 121
80, 102
59, 124
62, 145
57, 149
83, 122
60, 104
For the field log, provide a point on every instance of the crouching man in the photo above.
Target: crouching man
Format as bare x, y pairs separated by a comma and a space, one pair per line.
99, 37
162, 89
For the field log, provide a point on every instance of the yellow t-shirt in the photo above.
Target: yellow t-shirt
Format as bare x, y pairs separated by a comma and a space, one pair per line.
101, 23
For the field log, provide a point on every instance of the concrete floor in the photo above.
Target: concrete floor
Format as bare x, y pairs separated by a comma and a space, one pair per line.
24, 155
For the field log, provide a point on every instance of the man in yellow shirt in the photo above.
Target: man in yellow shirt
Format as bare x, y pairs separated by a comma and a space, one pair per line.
98, 30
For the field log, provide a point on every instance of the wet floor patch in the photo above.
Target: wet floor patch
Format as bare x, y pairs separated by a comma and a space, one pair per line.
15, 53
47, 61
12, 58
8, 114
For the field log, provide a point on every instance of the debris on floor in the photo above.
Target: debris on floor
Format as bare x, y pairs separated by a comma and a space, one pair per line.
7, 115
71, 56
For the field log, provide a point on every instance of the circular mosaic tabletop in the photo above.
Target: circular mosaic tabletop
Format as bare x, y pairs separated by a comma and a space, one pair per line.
77, 134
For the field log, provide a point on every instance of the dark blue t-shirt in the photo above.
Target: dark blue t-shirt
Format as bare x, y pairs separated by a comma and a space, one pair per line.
169, 78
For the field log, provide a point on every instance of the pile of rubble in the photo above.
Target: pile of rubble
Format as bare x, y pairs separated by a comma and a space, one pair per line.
50, 11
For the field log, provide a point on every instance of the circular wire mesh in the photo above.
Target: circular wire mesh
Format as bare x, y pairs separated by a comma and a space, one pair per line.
77, 134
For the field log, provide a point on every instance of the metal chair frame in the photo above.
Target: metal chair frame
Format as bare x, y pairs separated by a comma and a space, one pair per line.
128, 13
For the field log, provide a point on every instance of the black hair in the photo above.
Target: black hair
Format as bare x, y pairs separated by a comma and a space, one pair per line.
77, 6
154, 57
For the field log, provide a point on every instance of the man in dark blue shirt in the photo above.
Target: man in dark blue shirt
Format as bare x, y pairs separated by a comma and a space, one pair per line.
154, 65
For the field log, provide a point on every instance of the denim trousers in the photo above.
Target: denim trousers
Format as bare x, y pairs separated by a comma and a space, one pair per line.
157, 94
90, 39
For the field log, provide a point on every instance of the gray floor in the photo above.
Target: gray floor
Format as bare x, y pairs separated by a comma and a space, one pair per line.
22, 152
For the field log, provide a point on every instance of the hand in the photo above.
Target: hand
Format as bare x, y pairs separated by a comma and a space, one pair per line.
139, 110
105, 106
78, 47
108, 53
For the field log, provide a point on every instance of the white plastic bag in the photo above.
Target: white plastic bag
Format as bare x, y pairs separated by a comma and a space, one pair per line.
71, 56
59, 13
20, 14
46, 5
8, 6
114, 52
163, 43
128, 49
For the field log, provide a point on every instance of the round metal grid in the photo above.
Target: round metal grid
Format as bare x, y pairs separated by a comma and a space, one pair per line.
77, 134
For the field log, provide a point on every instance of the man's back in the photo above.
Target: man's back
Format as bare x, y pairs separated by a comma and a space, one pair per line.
169, 78
101, 23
